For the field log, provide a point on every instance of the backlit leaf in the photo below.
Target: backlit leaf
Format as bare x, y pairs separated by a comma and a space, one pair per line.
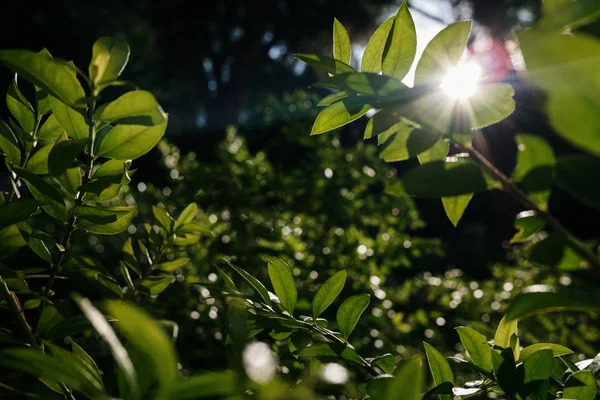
128, 142
9, 144
147, 337
20, 107
104, 221
342, 49
399, 56
38, 162
328, 292
341, 113
479, 351
73, 122
373, 54
442, 53
109, 57
349, 313
283, 282
54, 76
440, 368
136, 107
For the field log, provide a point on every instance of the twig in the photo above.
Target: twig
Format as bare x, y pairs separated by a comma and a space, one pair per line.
15, 307
516, 192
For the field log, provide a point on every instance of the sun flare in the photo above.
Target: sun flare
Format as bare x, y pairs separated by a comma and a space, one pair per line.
461, 82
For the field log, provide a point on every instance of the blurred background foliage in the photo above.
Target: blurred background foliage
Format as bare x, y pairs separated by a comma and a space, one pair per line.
237, 144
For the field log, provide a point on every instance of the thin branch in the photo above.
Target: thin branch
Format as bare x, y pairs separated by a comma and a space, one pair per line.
516, 192
15, 307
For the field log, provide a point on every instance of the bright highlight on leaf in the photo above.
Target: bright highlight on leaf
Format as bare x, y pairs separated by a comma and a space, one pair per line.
461, 81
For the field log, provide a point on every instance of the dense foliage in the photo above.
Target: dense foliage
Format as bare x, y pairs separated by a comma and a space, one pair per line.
261, 280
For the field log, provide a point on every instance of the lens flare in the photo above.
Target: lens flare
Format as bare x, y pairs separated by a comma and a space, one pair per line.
461, 82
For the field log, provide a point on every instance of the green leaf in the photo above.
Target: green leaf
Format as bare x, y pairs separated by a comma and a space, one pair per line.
11, 237
455, 207
147, 337
507, 335
49, 317
405, 143
9, 144
328, 292
209, 384
186, 216
400, 54
324, 63
71, 180
60, 366
51, 128
45, 192
376, 387
538, 366
452, 177
128, 142
440, 368
172, 265
104, 221
186, 239
129, 258
17, 211
442, 53
255, 283
63, 154
527, 224
332, 98
107, 333
383, 124
20, 107
535, 167
437, 152
555, 251
575, 175
408, 380
283, 282
341, 113
489, 105
349, 313
35, 244
368, 84
535, 303
329, 350
581, 386
566, 67
109, 57
163, 218
476, 345
555, 349
38, 162
87, 361
73, 122
373, 54
54, 76
433, 111
342, 49
155, 284
136, 107
508, 376
386, 362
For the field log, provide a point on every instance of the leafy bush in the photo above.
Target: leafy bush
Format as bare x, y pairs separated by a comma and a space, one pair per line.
69, 166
